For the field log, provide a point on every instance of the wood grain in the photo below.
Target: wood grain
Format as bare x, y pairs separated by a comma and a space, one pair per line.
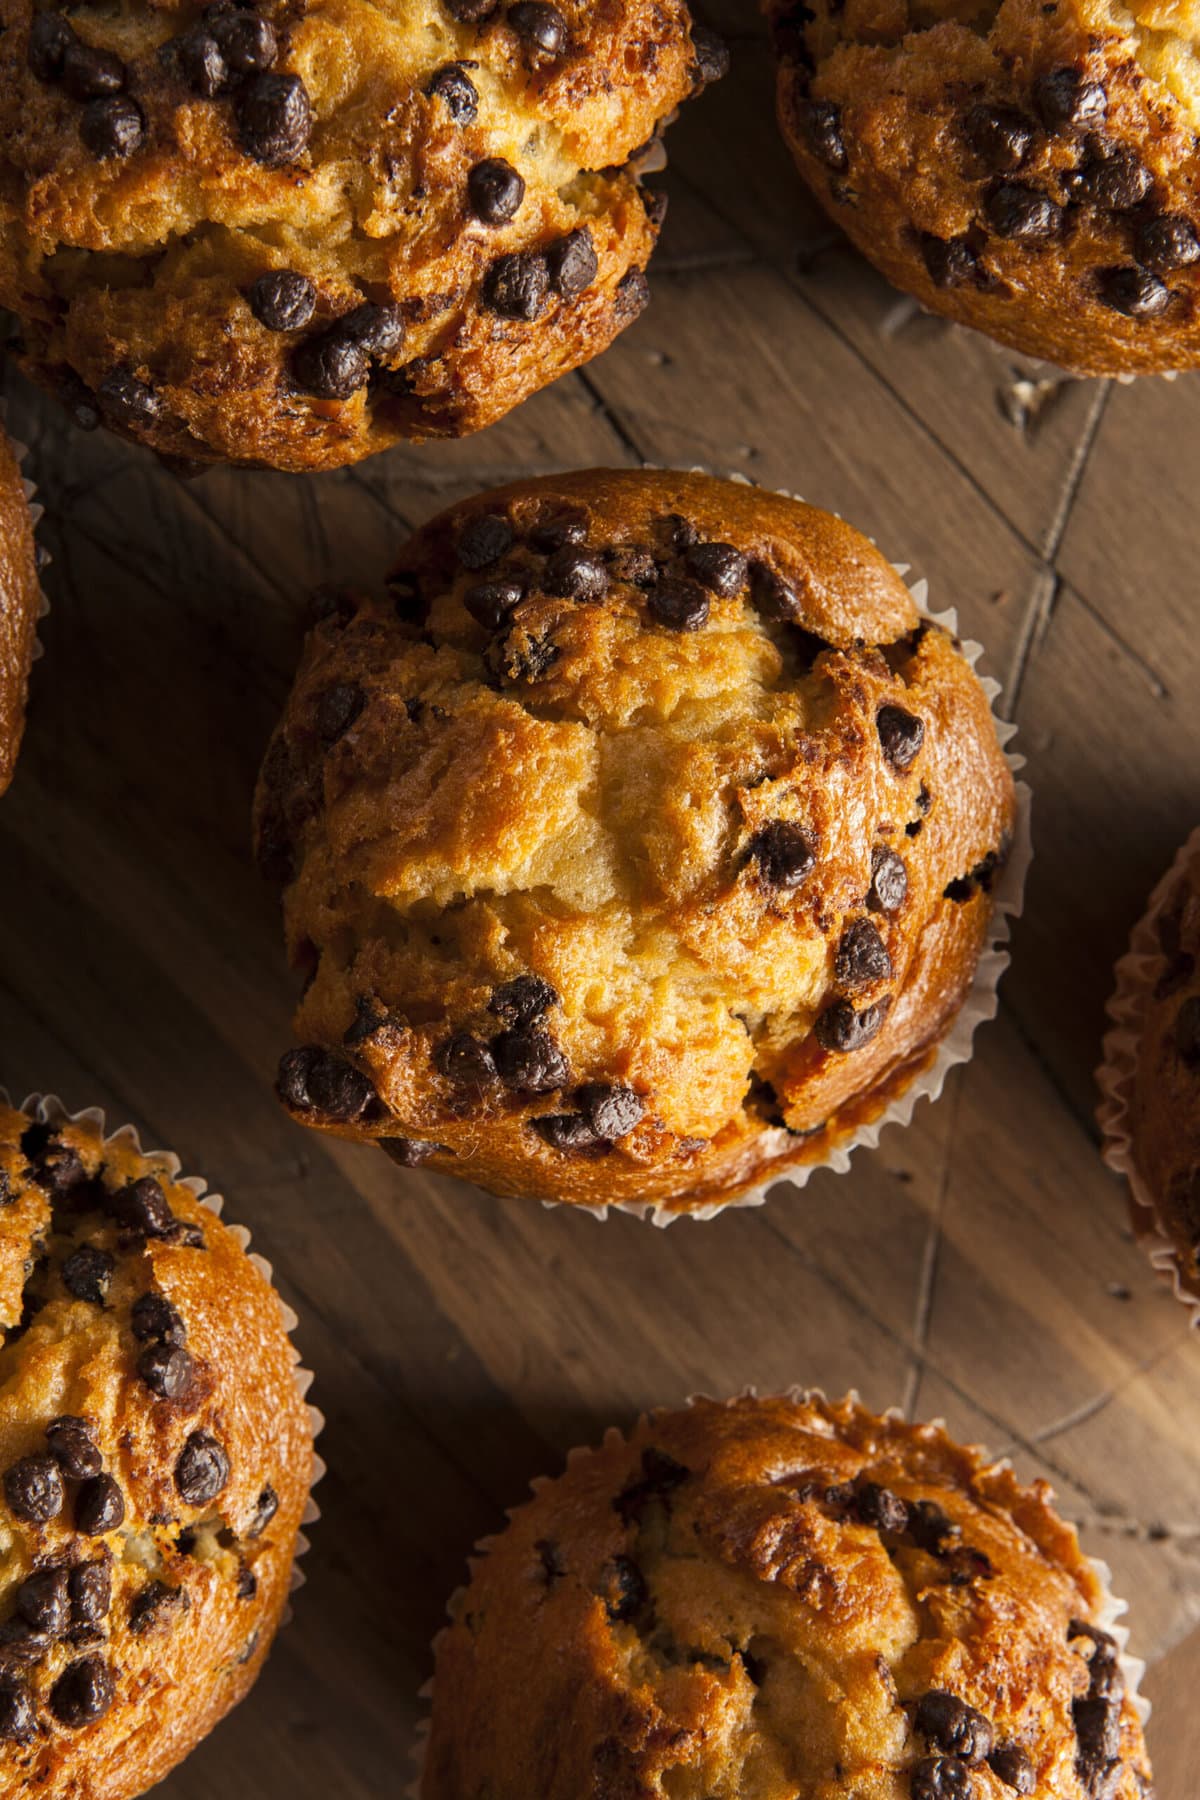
978, 1266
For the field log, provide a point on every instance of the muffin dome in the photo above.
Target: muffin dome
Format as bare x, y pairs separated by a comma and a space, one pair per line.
155, 1460
1030, 170
20, 602
290, 234
638, 847
783, 1598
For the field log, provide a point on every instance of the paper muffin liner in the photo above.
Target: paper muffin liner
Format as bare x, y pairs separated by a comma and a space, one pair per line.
1135, 975
1109, 1616
48, 1109
37, 513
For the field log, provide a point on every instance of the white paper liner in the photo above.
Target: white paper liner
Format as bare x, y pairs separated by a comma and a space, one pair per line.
1135, 974
48, 1109
1111, 1610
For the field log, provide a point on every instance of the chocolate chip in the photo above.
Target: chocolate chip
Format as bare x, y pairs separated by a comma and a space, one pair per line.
465, 1060
1012, 1765
453, 85
88, 73
1113, 178
492, 603
661, 1475
632, 297
201, 1470
274, 119
247, 1582
283, 300
622, 1588
1022, 213
410, 1153
247, 41
265, 1508
575, 575
784, 853
197, 56
157, 1604
573, 263
774, 597
568, 1132
821, 123
880, 1507
541, 26
90, 1587
166, 1370
557, 532
483, 540
21, 1644
1106, 1678
331, 365
712, 60
1167, 242
127, 399
1098, 1730
519, 656
336, 710
73, 1447
901, 734
889, 881
842, 1029
679, 603
153, 1317
1187, 1031
141, 1207
718, 567
683, 533
50, 37
861, 957
1066, 101
495, 191
99, 1506
953, 1726
43, 1601
315, 1080
33, 1489
378, 330
112, 126
523, 999
87, 1272
468, 12
950, 261
83, 1692
1001, 136
1135, 292
528, 1059
18, 1716
941, 1778
517, 286
637, 567
612, 1111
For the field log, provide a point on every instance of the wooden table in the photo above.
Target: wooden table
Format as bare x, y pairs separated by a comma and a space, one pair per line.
978, 1266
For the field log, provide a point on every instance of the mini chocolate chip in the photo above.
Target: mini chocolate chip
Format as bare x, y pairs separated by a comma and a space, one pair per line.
453, 85
336, 710
1001, 136
315, 1080
155, 1605
517, 286
950, 261
18, 1716
152, 1316
1098, 1729
683, 532
712, 59
901, 734
73, 1447
247, 1582
1022, 213
83, 1692
661, 1475
632, 297
1187, 1031
861, 956
112, 126
679, 603
784, 853
930, 1528
774, 597
410, 1153
483, 540
573, 574
568, 1132
1114, 178
523, 999
492, 603
1167, 242
1012, 1765
166, 1370
33, 1489
821, 123
331, 365
201, 1469
465, 1060
880, 1507
541, 26
21, 1644
50, 37
842, 1029
953, 1726
941, 1778
889, 881
521, 657
90, 1587
718, 567
528, 1059
557, 532
247, 41
1106, 1678
265, 1508
197, 56
274, 119
127, 399
142, 1207
622, 1588
495, 191
612, 1111
43, 1601
283, 300
378, 330
573, 263
1135, 292
87, 1272
1066, 101
637, 567
88, 73
99, 1506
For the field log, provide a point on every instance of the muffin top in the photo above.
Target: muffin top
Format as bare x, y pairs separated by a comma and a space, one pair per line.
155, 1460
638, 845
20, 602
783, 1600
290, 234
1031, 170
1166, 1092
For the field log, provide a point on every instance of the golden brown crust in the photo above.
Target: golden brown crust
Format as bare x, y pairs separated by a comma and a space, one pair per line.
98, 1701
20, 600
677, 831
1165, 1111
1029, 170
782, 1598
135, 274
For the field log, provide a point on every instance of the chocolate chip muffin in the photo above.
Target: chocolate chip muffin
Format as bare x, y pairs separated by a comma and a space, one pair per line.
779, 1598
289, 233
20, 603
637, 847
1031, 170
155, 1460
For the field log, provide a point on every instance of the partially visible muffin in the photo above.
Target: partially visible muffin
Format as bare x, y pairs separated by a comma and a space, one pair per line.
640, 847
778, 1598
1028, 169
290, 234
20, 603
155, 1461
